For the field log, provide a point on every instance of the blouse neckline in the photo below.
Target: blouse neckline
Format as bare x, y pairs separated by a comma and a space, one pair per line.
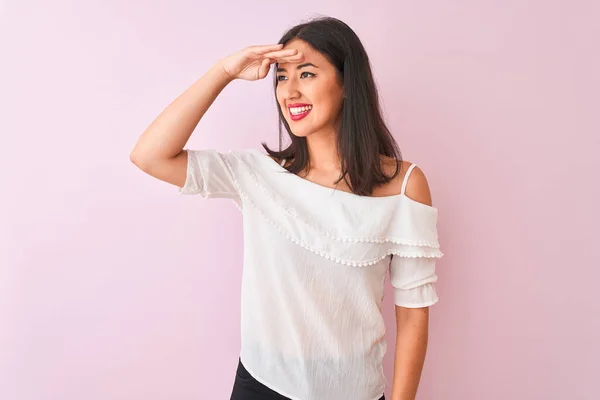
315, 186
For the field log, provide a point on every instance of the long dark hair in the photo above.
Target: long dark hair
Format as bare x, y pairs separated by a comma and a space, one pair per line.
362, 133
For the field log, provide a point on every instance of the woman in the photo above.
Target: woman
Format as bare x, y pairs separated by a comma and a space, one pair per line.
324, 219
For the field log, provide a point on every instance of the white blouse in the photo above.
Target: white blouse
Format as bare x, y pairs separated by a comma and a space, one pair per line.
315, 263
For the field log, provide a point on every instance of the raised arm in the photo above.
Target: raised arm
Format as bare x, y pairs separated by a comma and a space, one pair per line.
159, 151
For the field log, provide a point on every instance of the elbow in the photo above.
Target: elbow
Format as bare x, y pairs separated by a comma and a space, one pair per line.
138, 160
134, 158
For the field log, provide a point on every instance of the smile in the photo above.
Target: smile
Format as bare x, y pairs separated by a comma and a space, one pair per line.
297, 113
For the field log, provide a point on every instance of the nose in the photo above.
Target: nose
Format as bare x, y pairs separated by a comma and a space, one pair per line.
289, 90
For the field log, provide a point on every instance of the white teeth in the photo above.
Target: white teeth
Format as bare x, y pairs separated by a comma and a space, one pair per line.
299, 110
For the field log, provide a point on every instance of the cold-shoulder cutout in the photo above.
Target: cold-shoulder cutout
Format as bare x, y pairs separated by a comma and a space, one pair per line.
417, 186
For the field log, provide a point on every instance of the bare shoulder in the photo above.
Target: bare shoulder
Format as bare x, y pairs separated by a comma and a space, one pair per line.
417, 187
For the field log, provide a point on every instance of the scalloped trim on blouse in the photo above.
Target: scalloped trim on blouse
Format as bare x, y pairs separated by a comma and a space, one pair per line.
395, 246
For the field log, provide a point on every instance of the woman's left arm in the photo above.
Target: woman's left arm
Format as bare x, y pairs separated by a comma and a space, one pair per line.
411, 345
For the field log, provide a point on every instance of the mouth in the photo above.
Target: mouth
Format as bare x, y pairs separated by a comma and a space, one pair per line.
299, 111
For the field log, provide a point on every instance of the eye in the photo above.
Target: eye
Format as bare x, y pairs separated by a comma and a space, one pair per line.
303, 75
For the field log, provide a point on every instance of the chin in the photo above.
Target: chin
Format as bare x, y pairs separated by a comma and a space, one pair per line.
302, 132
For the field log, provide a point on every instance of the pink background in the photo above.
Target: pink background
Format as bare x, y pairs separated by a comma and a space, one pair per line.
113, 286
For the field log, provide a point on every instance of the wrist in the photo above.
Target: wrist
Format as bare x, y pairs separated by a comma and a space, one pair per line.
219, 69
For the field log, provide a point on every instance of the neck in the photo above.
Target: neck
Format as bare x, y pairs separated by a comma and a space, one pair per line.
322, 151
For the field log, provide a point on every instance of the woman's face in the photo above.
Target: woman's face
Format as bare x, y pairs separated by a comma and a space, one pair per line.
309, 92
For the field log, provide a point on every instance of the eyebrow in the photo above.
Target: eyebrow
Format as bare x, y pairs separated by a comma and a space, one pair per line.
279, 69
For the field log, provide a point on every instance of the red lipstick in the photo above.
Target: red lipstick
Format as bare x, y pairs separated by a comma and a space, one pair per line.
297, 117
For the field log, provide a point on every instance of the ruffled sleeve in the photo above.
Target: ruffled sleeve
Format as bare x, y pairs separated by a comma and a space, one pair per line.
209, 175
413, 281
412, 274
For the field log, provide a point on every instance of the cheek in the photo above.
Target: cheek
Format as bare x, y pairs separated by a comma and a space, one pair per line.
279, 100
329, 105
330, 94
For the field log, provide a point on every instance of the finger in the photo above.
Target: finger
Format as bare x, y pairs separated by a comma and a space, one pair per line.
291, 59
264, 68
266, 48
281, 53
